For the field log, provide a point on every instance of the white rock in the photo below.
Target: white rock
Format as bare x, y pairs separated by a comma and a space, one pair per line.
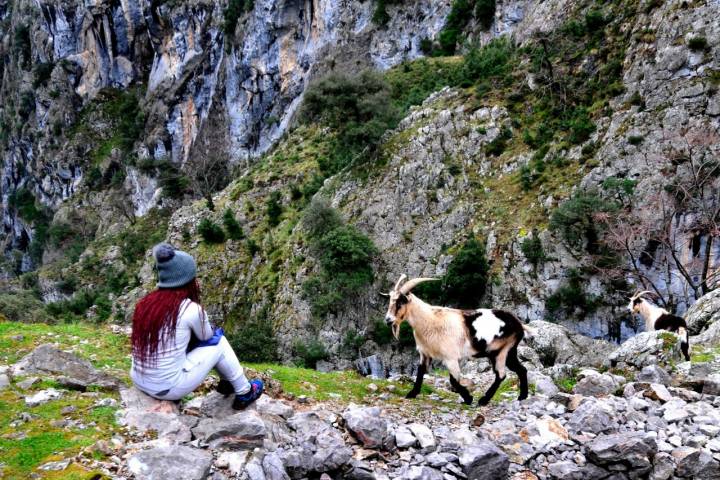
424, 436
43, 396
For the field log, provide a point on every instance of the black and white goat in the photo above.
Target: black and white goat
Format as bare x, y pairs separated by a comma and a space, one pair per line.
657, 318
451, 335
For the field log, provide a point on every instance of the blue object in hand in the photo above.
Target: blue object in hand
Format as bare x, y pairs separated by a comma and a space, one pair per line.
214, 340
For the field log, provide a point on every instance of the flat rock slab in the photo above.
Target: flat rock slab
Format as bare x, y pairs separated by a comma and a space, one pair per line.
176, 462
484, 460
242, 431
43, 396
145, 413
49, 360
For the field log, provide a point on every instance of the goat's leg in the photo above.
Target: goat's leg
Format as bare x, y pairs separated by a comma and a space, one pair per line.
422, 369
684, 343
513, 363
454, 368
498, 363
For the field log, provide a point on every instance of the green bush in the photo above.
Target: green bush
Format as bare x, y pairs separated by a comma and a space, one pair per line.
698, 43
23, 306
22, 45
273, 208
232, 226
380, 14
594, 20
252, 247
580, 126
493, 60
532, 249
351, 343
310, 353
464, 282
254, 341
571, 297
27, 104
485, 12
345, 256
233, 12
498, 145
42, 72
635, 139
210, 231
575, 220
457, 19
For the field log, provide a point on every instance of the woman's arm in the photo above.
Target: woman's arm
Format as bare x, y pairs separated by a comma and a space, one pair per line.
199, 322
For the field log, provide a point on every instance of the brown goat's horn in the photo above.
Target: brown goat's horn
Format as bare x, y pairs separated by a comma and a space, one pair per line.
414, 283
402, 278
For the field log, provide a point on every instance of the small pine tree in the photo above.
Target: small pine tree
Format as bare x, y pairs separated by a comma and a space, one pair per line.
210, 231
232, 226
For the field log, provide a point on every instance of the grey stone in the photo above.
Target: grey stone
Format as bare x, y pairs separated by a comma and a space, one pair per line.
695, 463
422, 473
404, 437
266, 405
317, 447
368, 425
631, 450
4, 381
484, 460
28, 382
241, 431
47, 359
647, 348
593, 417
145, 413
663, 467
704, 312
177, 462
43, 396
274, 468
424, 435
596, 385
653, 374
556, 344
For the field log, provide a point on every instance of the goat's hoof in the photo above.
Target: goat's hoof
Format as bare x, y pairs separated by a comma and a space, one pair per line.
522, 397
483, 401
411, 395
468, 401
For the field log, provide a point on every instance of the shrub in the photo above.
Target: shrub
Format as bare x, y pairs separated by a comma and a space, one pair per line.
460, 14
426, 46
698, 43
233, 12
27, 104
380, 14
575, 220
345, 256
490, 61
23, 306
310, 353
580, 126
320, 218
232, 226
594, 20
174, 183
464, 282
532, 249
22, 45
485, 12
352, 341
42, 74
254, 341
497, 146
571, 296
210, 231
252, 247
273, 208
381, 333
635, 139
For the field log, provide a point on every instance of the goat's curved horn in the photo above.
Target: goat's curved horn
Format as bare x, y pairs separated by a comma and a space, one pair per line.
640, 294
410, 284
384, 294
402, 278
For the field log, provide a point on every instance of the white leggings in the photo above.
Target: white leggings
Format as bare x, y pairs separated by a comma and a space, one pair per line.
198, 364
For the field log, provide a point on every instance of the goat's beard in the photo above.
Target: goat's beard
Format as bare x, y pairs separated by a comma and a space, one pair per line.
396, 331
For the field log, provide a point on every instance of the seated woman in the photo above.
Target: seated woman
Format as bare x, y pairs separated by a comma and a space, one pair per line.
164, 323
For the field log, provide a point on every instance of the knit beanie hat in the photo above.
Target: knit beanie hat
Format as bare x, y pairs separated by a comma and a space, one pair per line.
175, 268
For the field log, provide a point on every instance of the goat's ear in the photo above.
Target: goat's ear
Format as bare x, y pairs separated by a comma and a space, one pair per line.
402, 300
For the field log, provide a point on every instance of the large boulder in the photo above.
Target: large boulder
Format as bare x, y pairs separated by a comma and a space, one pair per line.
630, 451
145, 414
648, 348
368, 425
709, 337
317, 447
593, 416
241, 431
176, 462
482, 459
556, 344
703, 313
71, 370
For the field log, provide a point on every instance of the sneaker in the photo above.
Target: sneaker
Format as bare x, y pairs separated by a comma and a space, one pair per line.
242, 401
225, 387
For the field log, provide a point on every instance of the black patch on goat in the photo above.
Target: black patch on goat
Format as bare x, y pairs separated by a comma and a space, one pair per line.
478, 344
669, 322
513, 325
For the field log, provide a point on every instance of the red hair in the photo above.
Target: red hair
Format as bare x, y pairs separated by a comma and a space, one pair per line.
155, 319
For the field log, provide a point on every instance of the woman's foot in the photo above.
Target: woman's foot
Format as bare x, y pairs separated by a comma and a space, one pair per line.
225, 387
242, 401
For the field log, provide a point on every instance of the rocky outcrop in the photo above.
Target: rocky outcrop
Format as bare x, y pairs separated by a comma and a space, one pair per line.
648, 348
556, 344
69, 370
704, 313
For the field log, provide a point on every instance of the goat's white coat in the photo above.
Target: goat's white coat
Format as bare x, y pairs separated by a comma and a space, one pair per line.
487, 326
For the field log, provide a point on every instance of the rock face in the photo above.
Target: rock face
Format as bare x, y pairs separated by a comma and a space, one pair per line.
648, 348
704, 313
556, 344
171, 462
367, 425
